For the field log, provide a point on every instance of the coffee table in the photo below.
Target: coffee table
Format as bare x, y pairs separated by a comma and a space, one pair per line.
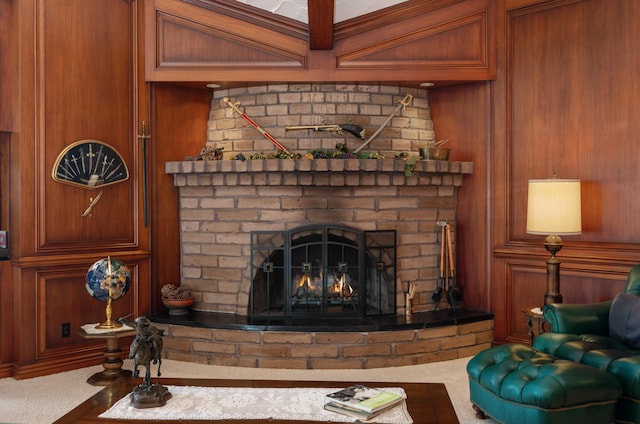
428, 403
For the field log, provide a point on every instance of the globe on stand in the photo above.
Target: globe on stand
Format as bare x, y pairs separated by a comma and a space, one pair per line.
108, 280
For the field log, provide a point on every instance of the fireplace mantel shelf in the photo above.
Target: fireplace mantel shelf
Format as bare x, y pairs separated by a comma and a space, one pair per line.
318, 172
318, 165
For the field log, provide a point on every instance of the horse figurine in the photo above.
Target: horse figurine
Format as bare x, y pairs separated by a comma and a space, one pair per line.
143, 353
146, 349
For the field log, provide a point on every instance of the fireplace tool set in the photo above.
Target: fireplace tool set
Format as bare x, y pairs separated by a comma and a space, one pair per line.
447, 284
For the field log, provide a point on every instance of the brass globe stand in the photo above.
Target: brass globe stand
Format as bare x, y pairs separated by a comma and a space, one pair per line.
109, 324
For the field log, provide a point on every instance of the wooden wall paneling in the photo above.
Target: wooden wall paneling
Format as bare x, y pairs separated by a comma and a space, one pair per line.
88, 97
574, 115
525, 285
179, 118
421, 41
455, 42
9, 73
186, 42
77, 71
524, 292
578, 285
53, 295
6, 315
23, 138
555, 109
462, 114
182, 37
5, 179
63, 298
17, 21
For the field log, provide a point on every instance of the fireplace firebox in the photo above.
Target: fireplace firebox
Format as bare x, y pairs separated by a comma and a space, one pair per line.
323, 271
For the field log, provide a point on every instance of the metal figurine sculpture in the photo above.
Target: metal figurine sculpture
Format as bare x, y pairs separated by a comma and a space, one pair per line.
146, 349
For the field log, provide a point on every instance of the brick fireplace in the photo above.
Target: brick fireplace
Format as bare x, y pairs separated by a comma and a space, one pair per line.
223, 202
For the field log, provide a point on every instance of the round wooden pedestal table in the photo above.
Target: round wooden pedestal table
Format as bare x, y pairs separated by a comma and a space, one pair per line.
112, 356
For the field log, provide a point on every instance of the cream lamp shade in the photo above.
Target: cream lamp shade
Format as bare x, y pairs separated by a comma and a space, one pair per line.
553, 207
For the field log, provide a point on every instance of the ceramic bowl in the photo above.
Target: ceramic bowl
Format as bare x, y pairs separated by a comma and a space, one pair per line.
177, 306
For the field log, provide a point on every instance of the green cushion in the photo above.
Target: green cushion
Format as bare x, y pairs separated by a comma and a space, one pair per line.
604, 353
504, 411
512, 382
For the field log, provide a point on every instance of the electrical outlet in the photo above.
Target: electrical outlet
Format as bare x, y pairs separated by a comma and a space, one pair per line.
66, 329
4, 245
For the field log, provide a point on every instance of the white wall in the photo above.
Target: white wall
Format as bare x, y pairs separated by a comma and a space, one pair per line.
344, 9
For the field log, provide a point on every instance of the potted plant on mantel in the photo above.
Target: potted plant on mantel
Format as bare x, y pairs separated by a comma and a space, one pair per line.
176, 299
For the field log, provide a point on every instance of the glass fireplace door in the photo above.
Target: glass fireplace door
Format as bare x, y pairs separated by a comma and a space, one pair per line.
323, 271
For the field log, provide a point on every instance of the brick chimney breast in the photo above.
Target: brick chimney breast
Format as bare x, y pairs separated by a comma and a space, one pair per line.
223, 201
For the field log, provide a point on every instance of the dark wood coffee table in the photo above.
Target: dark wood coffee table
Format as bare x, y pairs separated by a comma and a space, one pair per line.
428, 403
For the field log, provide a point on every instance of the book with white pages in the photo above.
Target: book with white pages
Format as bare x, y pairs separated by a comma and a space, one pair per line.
360, 397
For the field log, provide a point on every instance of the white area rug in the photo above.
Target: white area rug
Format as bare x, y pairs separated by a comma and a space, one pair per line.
43, 400
236, 403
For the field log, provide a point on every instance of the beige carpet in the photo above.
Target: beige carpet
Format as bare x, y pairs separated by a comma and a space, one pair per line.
42, 400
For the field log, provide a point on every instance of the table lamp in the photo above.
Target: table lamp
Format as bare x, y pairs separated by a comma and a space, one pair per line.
553, 209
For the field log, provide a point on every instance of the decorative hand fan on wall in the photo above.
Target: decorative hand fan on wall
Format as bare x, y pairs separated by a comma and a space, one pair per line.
90, 164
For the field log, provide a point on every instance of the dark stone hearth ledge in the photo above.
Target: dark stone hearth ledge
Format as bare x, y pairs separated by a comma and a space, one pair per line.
317, 165
419, 320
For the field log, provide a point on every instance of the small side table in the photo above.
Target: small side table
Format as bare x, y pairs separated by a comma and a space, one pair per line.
535, 323
112, 356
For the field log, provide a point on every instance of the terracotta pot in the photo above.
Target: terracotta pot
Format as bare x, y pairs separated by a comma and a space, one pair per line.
177, 306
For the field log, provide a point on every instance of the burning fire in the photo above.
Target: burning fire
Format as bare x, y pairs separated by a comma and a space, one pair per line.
310, 286
341, 287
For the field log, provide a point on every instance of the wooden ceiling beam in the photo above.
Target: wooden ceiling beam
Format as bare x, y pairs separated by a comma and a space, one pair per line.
321, 24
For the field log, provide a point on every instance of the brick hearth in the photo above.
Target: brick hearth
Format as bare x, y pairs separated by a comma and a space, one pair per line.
224, 339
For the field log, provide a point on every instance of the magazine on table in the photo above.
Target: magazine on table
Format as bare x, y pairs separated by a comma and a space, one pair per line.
360, 397
354, 412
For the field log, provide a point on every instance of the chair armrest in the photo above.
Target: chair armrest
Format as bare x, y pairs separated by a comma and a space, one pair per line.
592, 318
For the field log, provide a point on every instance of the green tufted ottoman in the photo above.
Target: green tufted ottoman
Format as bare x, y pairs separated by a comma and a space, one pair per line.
517, 384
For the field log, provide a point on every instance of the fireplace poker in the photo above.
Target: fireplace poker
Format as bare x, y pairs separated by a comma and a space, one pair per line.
453, 291
236, 109
401, 105
437, 294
